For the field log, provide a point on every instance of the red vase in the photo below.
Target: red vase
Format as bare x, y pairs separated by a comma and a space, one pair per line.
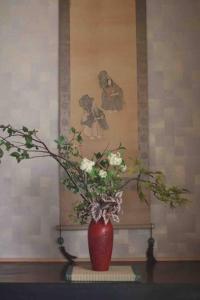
100, 243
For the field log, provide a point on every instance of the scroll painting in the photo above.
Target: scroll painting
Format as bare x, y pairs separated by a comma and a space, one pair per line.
99, 88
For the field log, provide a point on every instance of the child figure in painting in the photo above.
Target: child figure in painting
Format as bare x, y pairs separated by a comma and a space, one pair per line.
112, 94
93, 120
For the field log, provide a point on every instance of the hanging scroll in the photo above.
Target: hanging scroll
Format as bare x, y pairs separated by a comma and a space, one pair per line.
103, 87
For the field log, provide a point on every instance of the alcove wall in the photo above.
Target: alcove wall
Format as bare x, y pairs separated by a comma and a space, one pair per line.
29, 95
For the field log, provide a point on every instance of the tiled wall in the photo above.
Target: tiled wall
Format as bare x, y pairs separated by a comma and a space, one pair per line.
174, 118
29, 95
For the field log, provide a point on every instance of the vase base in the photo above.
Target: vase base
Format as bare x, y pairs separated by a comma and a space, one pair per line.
100, 269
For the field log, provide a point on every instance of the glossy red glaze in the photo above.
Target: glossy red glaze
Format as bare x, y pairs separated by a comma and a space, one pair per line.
100, 242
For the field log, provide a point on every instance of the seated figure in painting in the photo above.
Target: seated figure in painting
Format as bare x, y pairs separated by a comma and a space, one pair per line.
93, 119
112, 94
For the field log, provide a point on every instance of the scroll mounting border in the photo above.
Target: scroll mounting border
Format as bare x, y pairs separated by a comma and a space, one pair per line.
142, 84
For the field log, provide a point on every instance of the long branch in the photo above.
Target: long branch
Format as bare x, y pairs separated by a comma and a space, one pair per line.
56, 157
36, 156
13, 145
127, 182
50, 153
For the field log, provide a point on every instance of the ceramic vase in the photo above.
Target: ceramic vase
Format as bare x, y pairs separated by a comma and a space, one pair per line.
100, 243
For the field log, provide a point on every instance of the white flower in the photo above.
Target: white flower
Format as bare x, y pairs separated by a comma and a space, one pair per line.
123, 168
102, 174
115, 159
87, 165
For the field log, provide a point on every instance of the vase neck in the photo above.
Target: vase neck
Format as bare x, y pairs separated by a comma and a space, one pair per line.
101, 221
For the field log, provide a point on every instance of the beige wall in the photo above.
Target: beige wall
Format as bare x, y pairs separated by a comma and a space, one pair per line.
28, 95
28, 84
174, 118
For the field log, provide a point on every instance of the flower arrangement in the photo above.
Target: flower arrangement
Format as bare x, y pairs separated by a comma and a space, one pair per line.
99, 180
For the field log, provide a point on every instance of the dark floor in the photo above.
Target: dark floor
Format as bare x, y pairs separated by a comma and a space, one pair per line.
162, 272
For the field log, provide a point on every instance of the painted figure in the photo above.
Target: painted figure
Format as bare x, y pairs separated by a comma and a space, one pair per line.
112, 94
93, 120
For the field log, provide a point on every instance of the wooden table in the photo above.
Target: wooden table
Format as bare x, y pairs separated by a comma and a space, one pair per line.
161, 272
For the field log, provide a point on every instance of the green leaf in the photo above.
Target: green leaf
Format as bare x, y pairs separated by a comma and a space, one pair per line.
121, 147
8, 146
15, 154
61, 140
25, 155
104, 163
79, 138
10, 131
98, 155
1, 153
141, 195
25, 129
31, 132
73, 130
28, 139
4, 127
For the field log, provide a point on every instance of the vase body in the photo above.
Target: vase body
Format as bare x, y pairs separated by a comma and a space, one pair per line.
100, 243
